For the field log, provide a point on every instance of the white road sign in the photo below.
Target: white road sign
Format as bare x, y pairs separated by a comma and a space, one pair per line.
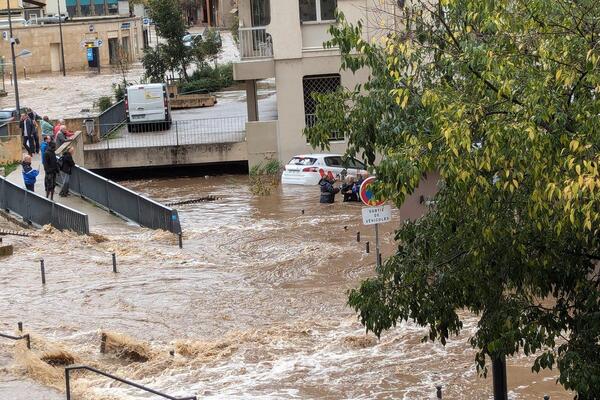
377, 215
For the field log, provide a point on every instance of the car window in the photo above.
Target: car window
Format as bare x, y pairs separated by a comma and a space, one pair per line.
302, 161
333, 161
5, 114
354, 163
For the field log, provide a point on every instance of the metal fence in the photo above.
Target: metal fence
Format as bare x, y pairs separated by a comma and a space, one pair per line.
40, 211
122, 201
178, 133
112, 118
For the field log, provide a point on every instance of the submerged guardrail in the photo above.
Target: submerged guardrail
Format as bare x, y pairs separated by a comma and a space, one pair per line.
116, 378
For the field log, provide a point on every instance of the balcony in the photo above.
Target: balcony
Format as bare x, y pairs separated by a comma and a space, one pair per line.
256, 54
255, 43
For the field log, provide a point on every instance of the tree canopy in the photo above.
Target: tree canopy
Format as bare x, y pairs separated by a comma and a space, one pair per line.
502, 98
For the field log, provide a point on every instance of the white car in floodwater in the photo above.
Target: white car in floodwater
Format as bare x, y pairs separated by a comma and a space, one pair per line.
308, 169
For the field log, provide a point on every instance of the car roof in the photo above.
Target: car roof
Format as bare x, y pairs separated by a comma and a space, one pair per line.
317, 155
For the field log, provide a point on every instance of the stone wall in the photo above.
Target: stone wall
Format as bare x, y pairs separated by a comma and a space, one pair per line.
10, 149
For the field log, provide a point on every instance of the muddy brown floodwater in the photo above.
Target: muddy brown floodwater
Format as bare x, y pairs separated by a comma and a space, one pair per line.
254, 307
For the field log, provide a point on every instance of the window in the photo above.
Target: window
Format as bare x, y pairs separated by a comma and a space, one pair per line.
333, 161
302, 161
317, 10
353, 163
261, 12
317, 84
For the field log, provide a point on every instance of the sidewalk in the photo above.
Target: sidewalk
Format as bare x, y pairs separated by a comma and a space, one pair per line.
98, 217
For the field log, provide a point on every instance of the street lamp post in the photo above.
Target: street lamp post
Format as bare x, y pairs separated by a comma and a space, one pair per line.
14, 58
62, 49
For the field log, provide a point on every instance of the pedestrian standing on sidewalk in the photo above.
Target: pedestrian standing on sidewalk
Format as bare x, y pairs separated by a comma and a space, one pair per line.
51, 169
34, 117
27, 131
66, 168
29, 174
44, 146
47, 128
57, 127
62, 137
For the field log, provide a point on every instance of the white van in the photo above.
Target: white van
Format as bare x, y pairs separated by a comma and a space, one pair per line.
147, 107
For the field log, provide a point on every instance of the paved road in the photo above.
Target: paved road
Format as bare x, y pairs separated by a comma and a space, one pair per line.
223, 123
97, 216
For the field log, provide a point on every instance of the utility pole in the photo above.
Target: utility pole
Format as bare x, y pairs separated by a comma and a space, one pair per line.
62, 49
14, 60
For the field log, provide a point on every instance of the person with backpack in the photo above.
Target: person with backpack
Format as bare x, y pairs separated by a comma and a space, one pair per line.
50, 169
66, 164
29, 174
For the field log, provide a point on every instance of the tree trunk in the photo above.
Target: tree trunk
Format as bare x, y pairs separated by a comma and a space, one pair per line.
499, 378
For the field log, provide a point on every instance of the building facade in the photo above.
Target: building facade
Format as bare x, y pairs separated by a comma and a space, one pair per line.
44, 43
106, 24
283, 39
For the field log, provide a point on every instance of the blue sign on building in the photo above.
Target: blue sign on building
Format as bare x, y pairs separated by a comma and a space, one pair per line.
90, 54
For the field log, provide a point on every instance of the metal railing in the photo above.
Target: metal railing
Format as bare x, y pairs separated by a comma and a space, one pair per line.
25, 337
311, 119
112, 118
122, 201
116, 378
255, 43
177, 133
40, 211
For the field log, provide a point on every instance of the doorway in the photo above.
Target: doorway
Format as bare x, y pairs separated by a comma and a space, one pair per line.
55, 64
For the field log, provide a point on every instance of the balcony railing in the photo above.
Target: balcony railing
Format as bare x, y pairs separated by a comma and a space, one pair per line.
255, 43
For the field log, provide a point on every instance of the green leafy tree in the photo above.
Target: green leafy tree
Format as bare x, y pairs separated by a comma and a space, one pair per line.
502, 98
168, 17
211, 45
156, 64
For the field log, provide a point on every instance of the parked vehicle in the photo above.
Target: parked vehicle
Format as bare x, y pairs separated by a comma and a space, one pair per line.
147, 107
8, 115
309, 168
191, 38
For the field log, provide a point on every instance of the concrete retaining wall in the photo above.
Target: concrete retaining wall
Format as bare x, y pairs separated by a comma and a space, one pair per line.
166, 156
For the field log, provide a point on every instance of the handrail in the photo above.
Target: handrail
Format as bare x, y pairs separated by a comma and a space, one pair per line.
25, 336
125, 381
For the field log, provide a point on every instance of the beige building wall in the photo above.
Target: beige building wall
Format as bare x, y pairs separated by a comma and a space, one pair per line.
44, 43
298, 52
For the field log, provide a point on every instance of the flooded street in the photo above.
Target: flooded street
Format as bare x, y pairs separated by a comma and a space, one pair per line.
254, 307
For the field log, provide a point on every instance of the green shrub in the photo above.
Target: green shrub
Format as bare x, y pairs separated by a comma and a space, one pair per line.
104, 103
209, 79
264, 177
119, 91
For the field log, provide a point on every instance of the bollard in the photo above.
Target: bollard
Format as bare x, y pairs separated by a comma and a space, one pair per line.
439, 391
114, 260
103, 339
43, 270
368, 248
172, 353
379, 259
20, 326
546, 397
28, 340
302, 212
180, 237
358, 237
